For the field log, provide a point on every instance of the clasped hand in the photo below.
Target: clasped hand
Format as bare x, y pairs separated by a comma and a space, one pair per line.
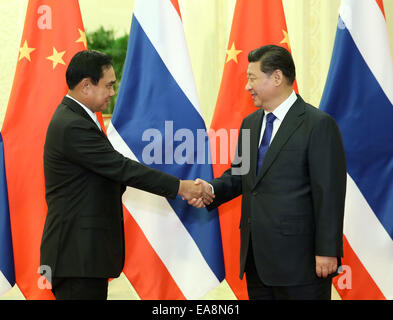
198, 193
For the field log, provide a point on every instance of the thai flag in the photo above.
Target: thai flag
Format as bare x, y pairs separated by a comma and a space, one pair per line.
157, 121
359, 95
7, 273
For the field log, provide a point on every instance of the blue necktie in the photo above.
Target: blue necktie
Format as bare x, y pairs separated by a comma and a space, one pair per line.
267, 135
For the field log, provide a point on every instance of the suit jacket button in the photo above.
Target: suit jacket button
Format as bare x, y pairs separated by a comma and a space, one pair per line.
254, 193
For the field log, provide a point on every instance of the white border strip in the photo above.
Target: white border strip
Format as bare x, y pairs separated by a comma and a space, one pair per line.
5, 286
167, 234
367, 25
368, 238
163, 26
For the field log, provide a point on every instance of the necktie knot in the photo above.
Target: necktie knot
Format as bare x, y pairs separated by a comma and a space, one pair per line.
270, 118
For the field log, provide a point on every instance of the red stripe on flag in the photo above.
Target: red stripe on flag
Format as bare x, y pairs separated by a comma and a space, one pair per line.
144, 268
177, 7
361, 286
380, 4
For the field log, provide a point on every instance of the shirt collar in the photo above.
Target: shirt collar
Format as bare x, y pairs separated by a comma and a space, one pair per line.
284, 107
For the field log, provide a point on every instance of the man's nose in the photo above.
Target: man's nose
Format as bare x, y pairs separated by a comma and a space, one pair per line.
247, 87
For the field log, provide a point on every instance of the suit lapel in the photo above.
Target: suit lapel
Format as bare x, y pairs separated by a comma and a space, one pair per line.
291, 122
255, 128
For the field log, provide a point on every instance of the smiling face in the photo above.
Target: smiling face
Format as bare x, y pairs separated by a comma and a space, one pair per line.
271, 72
260, 85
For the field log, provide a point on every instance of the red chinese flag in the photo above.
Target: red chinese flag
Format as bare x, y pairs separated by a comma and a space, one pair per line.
53, 33
255, 23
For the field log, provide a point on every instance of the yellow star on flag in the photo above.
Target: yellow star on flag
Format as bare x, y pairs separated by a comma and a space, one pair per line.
82, 38
56, 57
286, 39
25, 51
233, 53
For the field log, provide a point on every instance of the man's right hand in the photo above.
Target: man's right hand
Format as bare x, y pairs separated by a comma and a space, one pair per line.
204, 200
191, 190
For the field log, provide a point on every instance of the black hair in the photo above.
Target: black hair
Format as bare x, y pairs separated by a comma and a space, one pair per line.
87, 64
272, 58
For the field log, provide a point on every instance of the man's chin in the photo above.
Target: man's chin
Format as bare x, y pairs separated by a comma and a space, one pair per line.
104, 107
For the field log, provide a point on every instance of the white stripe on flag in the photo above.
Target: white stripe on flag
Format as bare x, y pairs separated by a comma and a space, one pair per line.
374, 48
164, 28
4, 284
373, 245
177, 250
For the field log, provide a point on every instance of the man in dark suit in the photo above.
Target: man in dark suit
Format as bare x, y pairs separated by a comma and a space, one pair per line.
83, 238
293, 194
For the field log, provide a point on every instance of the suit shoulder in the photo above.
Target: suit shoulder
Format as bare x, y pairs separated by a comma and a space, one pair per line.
252, 116
317, 115
58, 117
65, 117
320, 122
62, 113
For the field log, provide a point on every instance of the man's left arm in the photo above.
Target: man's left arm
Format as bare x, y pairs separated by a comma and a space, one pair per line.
327, 168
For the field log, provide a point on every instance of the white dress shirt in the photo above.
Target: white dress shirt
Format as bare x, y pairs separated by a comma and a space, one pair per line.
89, 112
280, 113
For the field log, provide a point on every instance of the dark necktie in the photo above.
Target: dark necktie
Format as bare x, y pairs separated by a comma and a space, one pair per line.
267, 135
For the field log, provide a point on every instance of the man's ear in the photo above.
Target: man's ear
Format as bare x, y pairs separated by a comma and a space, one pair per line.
85, 85
278, 77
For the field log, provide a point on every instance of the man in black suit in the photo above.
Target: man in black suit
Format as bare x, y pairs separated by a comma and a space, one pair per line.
85, 177
293, 194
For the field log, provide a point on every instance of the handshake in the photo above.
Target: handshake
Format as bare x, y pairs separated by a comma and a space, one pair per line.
198, 193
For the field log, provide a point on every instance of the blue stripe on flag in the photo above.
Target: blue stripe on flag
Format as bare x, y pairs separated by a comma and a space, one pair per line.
364, 114
150, 98
6, 251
